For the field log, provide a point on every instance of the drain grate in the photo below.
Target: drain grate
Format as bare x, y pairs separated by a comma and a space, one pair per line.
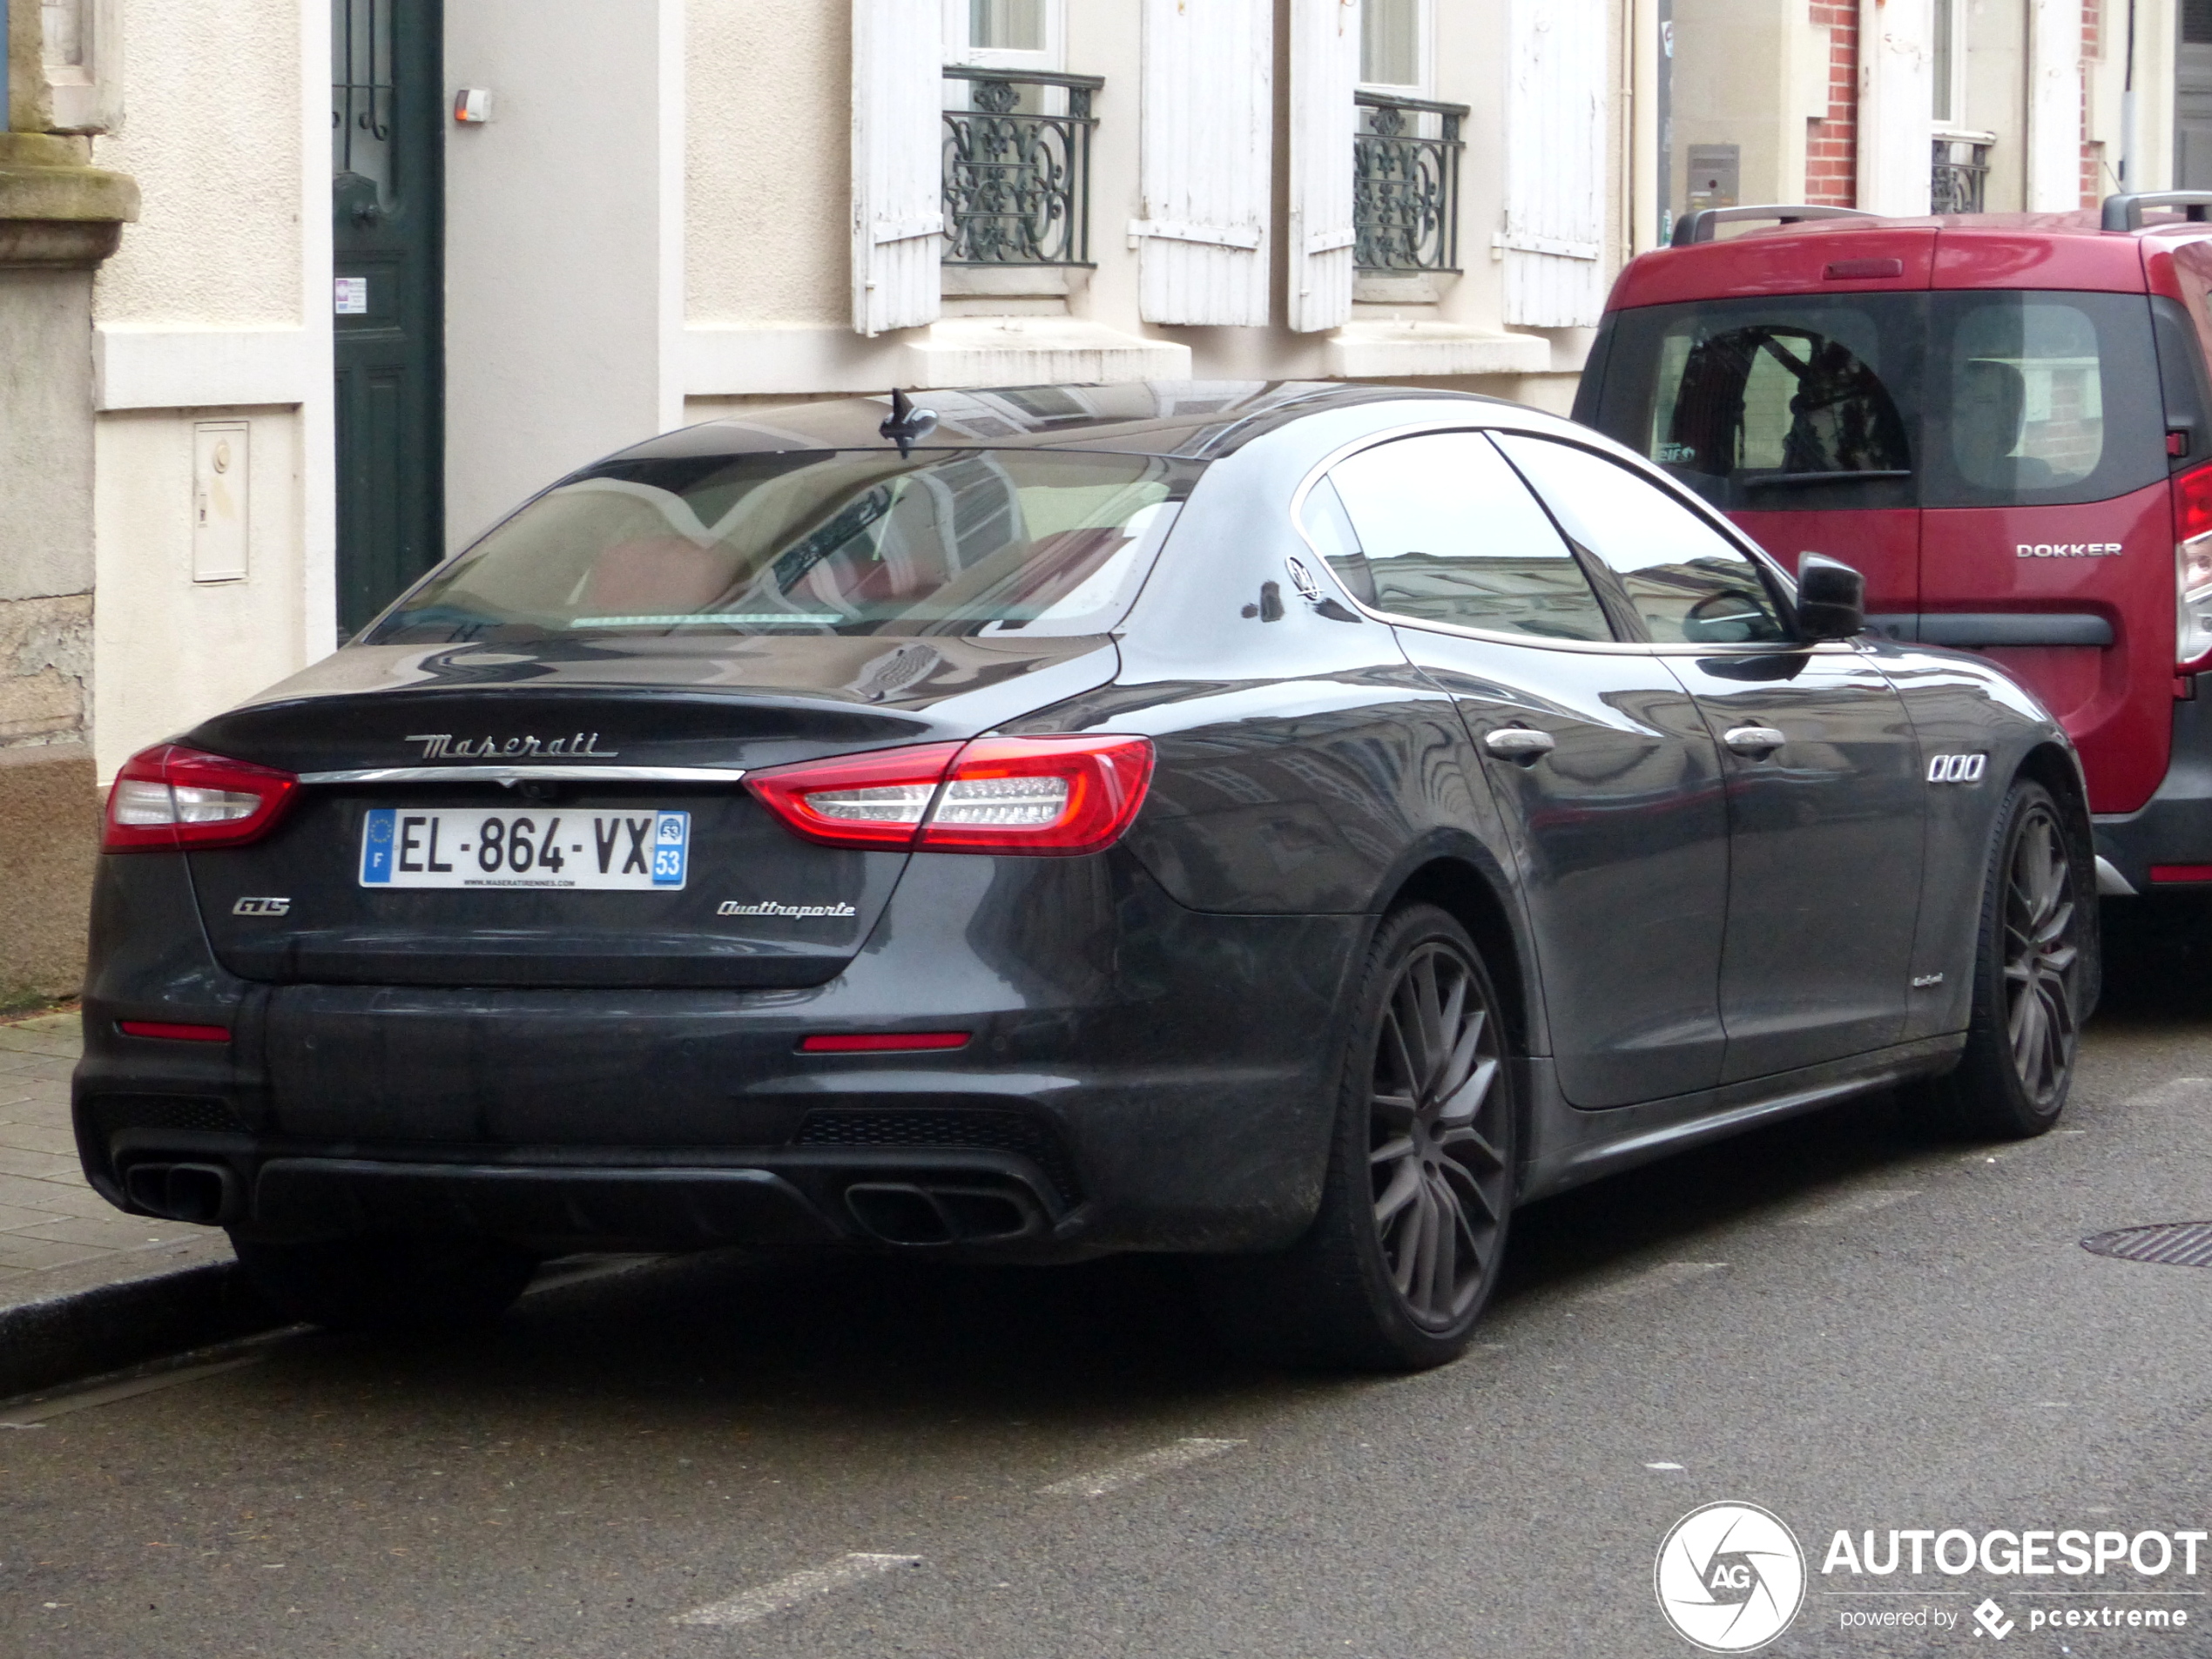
2171, 1243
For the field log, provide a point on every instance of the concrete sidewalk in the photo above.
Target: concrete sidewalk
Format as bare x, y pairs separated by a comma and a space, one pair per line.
83, 1286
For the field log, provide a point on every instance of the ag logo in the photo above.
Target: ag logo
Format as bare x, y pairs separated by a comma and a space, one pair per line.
1957, 769
1730, 1577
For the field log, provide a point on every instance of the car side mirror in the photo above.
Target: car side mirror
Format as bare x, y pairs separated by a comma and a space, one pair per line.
1831, 598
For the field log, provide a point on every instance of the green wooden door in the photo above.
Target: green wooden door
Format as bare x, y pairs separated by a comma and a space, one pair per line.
387, 137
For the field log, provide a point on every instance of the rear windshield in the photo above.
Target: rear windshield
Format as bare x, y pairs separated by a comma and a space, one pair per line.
973, 541
1968, 399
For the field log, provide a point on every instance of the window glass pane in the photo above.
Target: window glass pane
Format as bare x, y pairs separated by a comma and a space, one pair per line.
1007, 25
823, 543
1451, 535
1390, 45
1329, 527
1681, 577
1772, 405
2027, 396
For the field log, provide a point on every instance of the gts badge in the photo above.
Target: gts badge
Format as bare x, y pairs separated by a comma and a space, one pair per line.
1957, 769
261, 907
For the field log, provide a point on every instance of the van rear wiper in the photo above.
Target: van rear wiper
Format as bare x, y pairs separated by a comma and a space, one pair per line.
1800, 480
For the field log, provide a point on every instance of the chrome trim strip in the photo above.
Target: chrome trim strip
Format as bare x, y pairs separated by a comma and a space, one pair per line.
2110, 883
517, 774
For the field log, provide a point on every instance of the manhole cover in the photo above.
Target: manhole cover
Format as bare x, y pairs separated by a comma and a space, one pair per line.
2173, 1243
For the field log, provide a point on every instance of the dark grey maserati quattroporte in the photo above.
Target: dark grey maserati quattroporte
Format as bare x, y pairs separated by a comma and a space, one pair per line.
1290, 826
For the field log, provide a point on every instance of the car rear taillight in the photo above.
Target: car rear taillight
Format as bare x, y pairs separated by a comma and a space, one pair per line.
2193, 567
1060, 795
169, 797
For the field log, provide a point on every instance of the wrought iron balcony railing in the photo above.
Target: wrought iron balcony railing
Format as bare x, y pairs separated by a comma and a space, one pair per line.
1961, 174
1017, 182
1406, 186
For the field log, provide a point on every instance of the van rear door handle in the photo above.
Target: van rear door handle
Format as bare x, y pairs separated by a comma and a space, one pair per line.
1753, 739
1519, 743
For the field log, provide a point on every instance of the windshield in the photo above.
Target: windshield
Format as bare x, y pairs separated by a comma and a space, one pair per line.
974, 541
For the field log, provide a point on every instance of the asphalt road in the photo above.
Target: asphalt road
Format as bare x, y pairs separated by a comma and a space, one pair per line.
1844, 1322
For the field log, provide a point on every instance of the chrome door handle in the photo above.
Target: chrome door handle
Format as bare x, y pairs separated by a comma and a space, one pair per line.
1754, 739
1519, 743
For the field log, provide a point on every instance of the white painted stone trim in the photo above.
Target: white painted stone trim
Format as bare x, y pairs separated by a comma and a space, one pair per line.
138, 368
960, 351
1368, 351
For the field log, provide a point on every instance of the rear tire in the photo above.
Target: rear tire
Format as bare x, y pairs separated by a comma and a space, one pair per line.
1404, 1252
2029, 967
388, 1284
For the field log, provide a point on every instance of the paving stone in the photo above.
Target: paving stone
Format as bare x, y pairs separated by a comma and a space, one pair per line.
41, 1166
41, 1253
38, 1137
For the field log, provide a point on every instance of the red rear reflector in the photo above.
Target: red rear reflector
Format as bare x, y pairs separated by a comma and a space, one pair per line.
882, 1041
1058, 795
2180, 872
169, 797
1841, 270
174, 1033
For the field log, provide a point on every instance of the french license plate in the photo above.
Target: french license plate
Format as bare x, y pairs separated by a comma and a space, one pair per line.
640, 851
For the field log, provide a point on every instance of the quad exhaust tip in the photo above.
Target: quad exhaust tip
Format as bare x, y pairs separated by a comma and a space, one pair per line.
203, 1193
912, 1216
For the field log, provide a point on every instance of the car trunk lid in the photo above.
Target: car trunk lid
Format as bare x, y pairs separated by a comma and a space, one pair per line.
488, 816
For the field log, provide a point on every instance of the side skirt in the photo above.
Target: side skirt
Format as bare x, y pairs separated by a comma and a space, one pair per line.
1569, 1146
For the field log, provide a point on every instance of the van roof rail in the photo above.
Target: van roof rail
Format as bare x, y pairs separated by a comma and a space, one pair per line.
2126, 212
1693, 228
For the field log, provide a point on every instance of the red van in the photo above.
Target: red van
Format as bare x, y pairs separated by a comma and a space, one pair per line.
2003, 420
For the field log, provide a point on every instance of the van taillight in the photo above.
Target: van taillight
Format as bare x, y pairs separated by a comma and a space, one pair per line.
2193, 567
1051, 795
170, 797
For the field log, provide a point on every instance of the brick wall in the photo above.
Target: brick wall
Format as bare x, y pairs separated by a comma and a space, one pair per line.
1832, 146
2093, 155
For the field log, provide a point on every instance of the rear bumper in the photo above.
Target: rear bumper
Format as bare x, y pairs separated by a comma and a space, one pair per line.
2174, 828
1152, 1078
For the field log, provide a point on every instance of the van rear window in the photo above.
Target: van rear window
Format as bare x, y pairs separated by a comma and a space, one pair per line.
1981, 398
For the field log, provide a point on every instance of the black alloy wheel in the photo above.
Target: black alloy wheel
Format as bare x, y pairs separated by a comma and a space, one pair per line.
1404, 1249
2041, 957
2028, 979
1437, 1179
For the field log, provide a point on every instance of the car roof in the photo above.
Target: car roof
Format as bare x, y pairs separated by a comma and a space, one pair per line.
1199, 420
1949, 251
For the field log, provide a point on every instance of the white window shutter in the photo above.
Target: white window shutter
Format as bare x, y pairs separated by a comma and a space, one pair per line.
898, 161
1324, 73
1554, 236
1208, 119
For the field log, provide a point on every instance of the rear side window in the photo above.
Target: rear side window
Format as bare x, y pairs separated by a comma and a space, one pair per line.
1445, 532
1683, 580
1973, 398
1793, 403
2042, 399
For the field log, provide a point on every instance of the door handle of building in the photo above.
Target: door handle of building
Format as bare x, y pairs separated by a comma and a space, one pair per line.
1753, 739
1519, 743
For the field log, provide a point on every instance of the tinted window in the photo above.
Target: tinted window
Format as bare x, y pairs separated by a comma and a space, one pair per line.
1785, 404
1973, 398
2042, 397
826, 541
1682, 578
1448, 533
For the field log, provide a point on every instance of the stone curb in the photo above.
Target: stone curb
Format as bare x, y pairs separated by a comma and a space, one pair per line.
109, 1326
